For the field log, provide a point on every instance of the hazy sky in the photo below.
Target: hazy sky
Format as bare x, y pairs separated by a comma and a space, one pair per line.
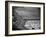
28, 11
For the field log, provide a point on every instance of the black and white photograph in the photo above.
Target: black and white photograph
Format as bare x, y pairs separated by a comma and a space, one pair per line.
24, 18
